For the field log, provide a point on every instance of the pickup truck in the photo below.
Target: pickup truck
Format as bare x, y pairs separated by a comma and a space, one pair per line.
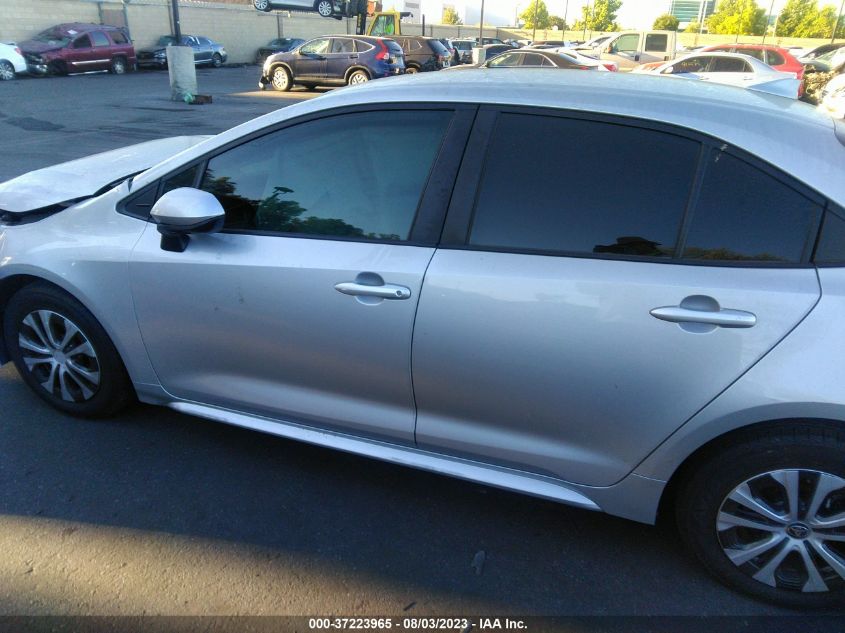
632, 48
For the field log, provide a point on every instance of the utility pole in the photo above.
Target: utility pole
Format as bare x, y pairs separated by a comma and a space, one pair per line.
534, 34
177, 25
836, 24
565, 14
481, 26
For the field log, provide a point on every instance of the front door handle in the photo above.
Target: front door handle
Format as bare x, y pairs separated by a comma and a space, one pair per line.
701, 314
384, 291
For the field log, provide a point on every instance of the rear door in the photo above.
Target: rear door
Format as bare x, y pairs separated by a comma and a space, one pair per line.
101, 51
80, 56
340, 57
575, 316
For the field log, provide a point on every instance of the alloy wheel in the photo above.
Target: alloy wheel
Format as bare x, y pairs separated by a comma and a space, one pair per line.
281, 79
261, 5
7, 72
786, 529
59, 356
358, 77
324, 8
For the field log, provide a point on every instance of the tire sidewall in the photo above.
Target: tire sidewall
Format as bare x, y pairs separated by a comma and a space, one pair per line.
281, 69
8, 67
702, 497
118, 66
355, 73
114, 389
216, 60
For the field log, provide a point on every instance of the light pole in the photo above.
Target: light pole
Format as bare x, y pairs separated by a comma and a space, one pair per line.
481, 26
534, 21
565, 15
177, 24
586, 17
836, 24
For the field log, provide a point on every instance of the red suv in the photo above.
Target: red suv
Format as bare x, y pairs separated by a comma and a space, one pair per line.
78, 48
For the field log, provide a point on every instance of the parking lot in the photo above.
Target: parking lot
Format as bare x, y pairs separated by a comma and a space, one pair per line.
159, 513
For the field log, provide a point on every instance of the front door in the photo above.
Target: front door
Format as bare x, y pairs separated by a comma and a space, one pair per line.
310, 63
302, 308
579, 315
81, 56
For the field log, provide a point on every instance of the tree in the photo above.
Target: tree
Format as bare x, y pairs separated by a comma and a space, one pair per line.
803, 18
556, 20
450, 16
541, 20
693, 27
600, 17
742, 17
666, 22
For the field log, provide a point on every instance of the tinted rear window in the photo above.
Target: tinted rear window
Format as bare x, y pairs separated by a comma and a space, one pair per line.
437, 47
626, 195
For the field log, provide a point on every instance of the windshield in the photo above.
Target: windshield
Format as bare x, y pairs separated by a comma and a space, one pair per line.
53, 37
166, 40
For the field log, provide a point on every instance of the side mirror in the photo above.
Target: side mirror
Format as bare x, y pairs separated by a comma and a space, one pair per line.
183, 211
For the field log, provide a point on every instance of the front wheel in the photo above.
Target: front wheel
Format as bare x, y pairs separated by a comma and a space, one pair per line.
357, 77
281, 79
63, 353
216, 60
261, 5
766, 515
324, 8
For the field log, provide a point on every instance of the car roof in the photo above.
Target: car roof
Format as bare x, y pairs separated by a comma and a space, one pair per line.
758, 47
790, 134
82, 27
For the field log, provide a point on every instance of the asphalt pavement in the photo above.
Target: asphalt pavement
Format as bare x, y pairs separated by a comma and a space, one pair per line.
159, 513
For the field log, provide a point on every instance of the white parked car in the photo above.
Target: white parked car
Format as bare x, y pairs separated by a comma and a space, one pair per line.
12, 61
587, 60
733, 69
833, 97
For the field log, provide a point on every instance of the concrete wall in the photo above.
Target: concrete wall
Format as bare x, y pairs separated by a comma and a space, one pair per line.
242, 29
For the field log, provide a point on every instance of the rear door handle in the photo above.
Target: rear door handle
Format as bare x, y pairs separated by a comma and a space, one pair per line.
701, 314
384, 291
720, 318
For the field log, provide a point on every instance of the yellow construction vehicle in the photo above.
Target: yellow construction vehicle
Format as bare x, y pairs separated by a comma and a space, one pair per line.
381, 23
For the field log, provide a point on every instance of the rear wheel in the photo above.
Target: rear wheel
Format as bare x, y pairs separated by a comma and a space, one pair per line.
280, 79
261, 5
324, 8
412, 70
7, 71
63, 353
767, 515
357, 77
118, 66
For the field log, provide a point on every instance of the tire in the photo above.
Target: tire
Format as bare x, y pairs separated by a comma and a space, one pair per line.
57, 68
280, 79
118, 66
77, 370
261, 5
7, 71
308, 86
357, 77
412, 70
324, 8
766, 544
216, 60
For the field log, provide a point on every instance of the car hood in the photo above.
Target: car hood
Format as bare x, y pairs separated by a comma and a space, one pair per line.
68, 183
33, 46
155, 50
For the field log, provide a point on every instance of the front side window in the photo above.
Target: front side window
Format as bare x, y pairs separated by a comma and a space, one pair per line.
625, 195
355, 176
316, 47
82, 42
626, 43
745, 214
505, 61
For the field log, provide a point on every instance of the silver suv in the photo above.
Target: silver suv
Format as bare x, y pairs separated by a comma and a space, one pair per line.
654, 329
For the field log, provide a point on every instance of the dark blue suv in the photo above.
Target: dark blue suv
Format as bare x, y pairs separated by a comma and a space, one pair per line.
333, 60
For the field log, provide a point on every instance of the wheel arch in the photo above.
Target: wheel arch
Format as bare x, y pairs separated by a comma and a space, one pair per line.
12, 284
747, 432
352, 69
